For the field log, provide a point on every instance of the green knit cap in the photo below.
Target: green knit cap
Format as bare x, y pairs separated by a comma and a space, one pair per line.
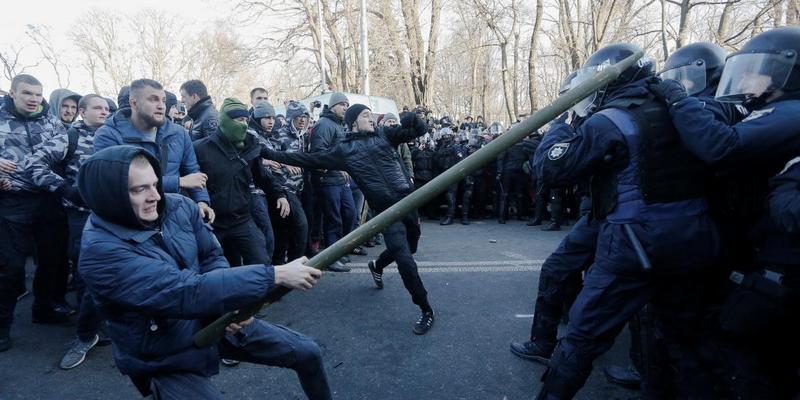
233, 130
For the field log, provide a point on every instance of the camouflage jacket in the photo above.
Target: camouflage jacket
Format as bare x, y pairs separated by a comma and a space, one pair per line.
21, 136
52, 153
289, 140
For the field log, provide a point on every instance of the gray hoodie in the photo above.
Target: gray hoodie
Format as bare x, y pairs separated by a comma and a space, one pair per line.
57, 97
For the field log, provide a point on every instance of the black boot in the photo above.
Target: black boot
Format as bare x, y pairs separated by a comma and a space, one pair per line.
535, 221
531, 351
5, 339
465, 220
447, 221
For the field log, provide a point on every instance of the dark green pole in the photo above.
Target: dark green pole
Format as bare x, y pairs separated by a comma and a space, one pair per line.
419, 197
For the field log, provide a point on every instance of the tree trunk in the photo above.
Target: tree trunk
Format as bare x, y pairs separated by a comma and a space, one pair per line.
683, 24
414, 40
341, 55
506, 84
664, 46
537, 26
430, 57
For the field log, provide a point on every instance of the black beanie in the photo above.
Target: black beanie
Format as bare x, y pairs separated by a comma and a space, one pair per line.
352, 113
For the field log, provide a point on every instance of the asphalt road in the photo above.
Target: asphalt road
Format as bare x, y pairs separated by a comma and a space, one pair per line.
481, 281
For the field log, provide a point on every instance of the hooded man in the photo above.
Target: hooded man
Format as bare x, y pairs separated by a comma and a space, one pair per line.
291, 232
64, 104
230, 158
369, 155
156, 272
145, 124
26, 214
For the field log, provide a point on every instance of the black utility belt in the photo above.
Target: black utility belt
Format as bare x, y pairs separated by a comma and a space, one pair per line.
767, 282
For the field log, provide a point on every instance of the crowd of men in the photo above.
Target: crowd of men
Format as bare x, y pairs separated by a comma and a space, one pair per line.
685, 188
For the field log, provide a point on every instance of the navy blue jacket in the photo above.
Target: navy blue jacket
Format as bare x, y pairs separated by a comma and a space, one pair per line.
180, 156
778, 233
156, 284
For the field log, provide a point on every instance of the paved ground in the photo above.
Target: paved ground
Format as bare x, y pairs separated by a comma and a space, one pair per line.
481, 281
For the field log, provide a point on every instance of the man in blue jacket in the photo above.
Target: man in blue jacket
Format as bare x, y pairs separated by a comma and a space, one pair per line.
144, 124
156, 272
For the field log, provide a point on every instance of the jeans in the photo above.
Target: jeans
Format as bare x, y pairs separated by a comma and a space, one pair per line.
24, 228
88, 318
358, 200
338, 211
291, 233
401, 239
260, 211
259, 343
242, 244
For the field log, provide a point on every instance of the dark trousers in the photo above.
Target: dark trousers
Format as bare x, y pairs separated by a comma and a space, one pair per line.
338, 211
560, 278
258, 343
259, 209
358, 200
616, 288
242, 244
401, 239
88, 318
291, 233
429, 209
26, 225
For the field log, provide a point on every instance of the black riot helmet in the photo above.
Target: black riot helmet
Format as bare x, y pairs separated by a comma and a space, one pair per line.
697, 66
603, 58
768, 62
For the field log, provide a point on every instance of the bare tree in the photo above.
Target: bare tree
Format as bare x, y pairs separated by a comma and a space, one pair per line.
532, 59
12, 64
40, 35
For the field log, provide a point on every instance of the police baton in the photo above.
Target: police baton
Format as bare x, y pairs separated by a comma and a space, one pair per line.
428, 192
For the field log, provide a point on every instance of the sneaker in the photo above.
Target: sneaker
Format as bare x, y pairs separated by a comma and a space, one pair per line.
531, 351
377, 276
358, 251
627, 377
337, 266
424, 323
228, 362
379, 239
77, 353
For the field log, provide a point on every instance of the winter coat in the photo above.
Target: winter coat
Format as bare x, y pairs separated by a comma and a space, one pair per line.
45, 163
328, 131
156, 285
230, 173
21, 136
171, 144
371, 159
289, 140
205, 118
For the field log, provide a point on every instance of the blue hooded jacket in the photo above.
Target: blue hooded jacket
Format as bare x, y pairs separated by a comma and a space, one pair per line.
172, 144
156, 284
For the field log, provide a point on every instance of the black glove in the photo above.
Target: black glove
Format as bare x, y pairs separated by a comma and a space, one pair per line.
670, 91
69, 192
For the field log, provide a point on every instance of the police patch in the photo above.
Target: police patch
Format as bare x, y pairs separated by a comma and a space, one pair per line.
557, 151
758, 114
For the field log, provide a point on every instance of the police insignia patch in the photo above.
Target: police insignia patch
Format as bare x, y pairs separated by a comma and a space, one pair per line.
557, 151
758, 114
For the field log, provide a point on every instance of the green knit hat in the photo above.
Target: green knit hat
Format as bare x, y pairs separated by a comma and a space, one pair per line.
233, 130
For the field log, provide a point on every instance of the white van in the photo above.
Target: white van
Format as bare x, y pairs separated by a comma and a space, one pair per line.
378, 104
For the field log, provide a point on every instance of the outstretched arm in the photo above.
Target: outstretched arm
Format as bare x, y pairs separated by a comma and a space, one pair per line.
410, 128
330, 159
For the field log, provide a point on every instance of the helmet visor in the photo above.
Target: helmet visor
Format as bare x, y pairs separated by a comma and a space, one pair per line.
583, 107
692, 76
753, 74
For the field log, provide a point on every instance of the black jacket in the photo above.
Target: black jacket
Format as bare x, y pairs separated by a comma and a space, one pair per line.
230, 172
205, 118
423, 161
371, 159
328, 131
512, 159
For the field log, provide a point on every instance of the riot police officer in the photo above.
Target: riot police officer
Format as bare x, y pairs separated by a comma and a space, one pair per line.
655, 236
764, 77
448, 155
